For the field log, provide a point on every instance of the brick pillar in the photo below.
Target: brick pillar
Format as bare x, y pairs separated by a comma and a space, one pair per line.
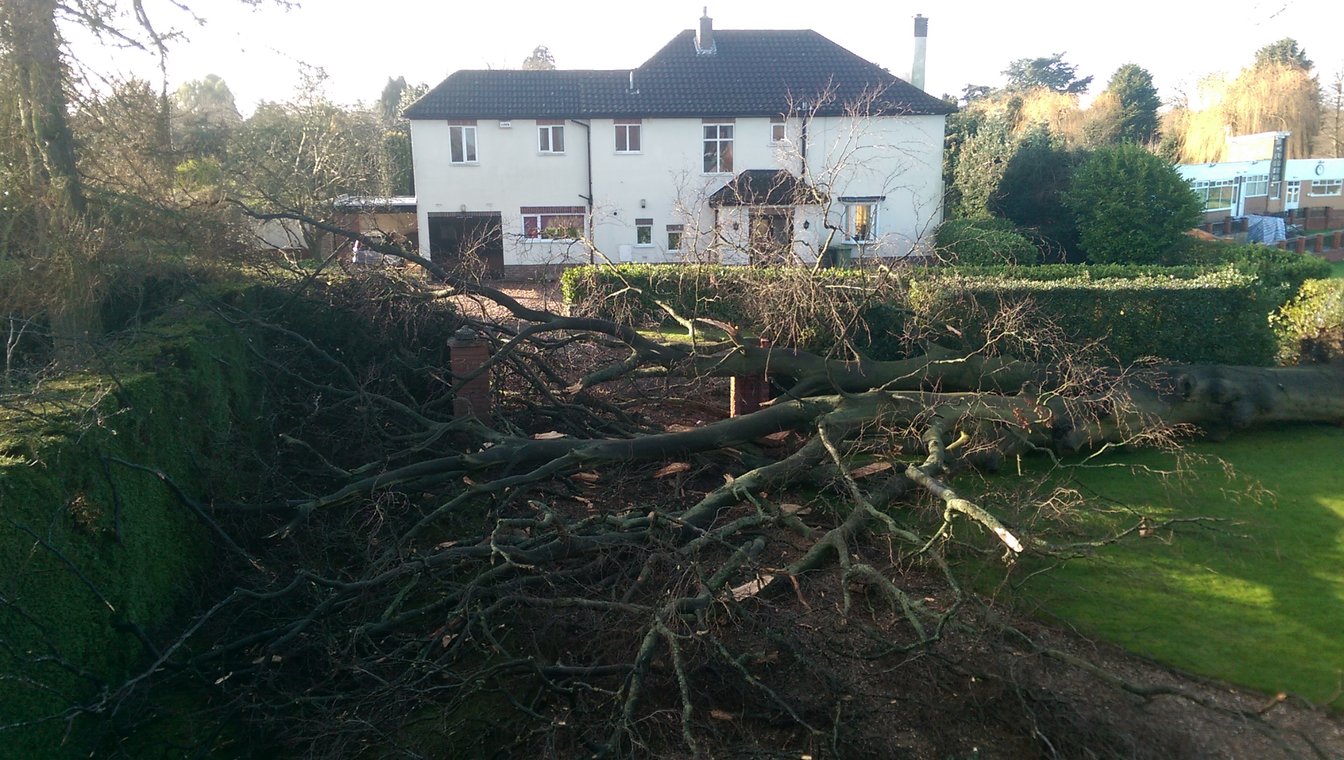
1281, 245
1300, 245
748, 392
1227, 226
1335, 239
1318, 244
468, 352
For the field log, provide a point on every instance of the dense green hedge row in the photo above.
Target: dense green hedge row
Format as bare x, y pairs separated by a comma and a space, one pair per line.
185, 394
91, 548
1184, 314
1219, 317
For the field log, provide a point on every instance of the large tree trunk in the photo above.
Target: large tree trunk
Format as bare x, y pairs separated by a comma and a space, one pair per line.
34, 52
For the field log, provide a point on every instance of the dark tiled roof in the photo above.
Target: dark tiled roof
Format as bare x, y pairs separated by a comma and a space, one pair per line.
752, 73
765, 187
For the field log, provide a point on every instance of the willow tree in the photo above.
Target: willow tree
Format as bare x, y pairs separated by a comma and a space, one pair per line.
1276, 97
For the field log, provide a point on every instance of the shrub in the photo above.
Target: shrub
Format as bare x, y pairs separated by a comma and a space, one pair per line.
1310, 329
1216, 317
985, 241
1130, 206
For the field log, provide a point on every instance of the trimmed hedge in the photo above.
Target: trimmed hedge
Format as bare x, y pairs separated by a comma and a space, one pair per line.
1219, 317
172, 400
188, 395
1183, 314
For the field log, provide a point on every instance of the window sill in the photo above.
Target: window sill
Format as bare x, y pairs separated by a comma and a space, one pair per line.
464, 163
628, 152
549, 153
566, 241
645, 245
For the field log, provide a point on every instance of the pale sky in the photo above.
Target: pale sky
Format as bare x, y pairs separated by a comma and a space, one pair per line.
360, 43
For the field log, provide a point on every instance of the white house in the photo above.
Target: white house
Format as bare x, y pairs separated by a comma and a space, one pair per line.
725, 145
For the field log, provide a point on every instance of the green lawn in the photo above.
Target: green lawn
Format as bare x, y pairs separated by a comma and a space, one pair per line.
1337, 269
1258, 600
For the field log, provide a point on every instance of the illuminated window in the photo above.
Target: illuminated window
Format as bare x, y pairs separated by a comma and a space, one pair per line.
861, 222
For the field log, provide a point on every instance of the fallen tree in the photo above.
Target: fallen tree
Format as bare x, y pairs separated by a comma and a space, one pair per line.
586, 574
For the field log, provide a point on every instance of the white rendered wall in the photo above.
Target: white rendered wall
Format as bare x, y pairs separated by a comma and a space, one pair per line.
899, 158
510, 174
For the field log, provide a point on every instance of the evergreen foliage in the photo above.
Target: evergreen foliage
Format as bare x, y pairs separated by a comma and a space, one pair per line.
1130, 206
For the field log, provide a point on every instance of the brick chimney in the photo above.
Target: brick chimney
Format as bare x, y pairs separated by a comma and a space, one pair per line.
921, 42
704, 39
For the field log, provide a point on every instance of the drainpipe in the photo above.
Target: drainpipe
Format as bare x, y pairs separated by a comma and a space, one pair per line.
802, 137
588, 142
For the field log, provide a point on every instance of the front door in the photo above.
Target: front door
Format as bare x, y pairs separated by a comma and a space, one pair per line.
1293, 198
470, 244
771, 235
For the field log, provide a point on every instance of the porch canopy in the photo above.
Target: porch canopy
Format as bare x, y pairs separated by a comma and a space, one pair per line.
766, 187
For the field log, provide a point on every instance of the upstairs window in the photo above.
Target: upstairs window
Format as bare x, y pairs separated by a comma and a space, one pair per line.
551, 138
643, 232
628, 138
462, 144
718, 148
779, 131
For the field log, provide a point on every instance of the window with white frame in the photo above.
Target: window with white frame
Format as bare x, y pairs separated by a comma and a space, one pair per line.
628, 137
1256, 186
674, 232
1216, 195
553, 222
861, 220
779, 130
643, 232
551, 138
1321, 187
461, 144
718, 148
